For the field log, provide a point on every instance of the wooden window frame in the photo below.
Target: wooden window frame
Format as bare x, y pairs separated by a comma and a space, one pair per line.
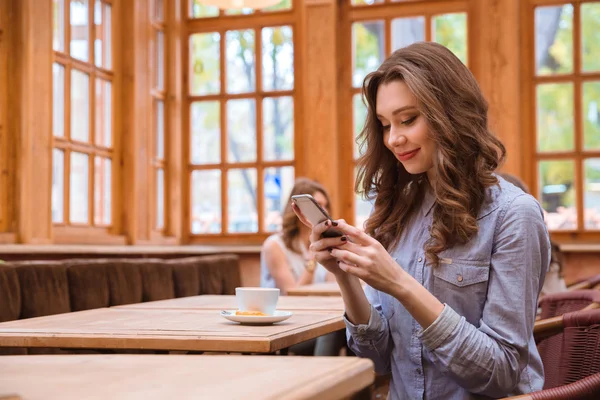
386, 11
159, 95
90, 232
528, 121
221, 24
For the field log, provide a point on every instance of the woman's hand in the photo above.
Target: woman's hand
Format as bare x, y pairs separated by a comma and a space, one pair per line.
319, 246
365, 258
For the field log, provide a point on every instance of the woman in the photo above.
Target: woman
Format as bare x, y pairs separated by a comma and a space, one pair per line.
285, 261
453, 256
554, 282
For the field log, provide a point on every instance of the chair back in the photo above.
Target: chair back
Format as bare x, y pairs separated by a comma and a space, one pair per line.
557, 304
574, 353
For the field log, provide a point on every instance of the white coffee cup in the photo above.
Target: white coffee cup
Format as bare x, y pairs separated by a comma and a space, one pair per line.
257, 299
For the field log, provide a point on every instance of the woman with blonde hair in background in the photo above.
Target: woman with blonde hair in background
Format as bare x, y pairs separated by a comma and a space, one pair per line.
286, 262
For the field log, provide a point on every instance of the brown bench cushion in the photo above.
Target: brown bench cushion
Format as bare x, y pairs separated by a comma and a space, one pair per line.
10, 294
186, 278
157, 279
88, 283
124, 282
44, 288
219, 274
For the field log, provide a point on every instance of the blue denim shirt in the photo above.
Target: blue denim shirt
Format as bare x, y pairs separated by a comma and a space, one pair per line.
481, 345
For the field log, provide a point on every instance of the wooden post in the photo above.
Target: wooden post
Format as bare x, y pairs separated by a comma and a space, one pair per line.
316, 54
134, 129
494, 35
30, 122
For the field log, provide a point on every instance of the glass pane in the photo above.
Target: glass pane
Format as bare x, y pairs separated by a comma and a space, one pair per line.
206, 201
80, 29
241, 130
282, 5
79, 188
406, 31
58, 100
103, 113
557, 194
204, 63
158, 10
591, 115
241, 71
80, 106
241, 203
278, 185
58, 185
239, 11
159, 128
359, 115
591, 197
160, 198
554, 39
277, 58
102, 191
102, 43
206, 132
590, 36
362, 208
555, 117
365, 2
58, 25
450, 30
367, 49
159, 61
199, 10
278, 128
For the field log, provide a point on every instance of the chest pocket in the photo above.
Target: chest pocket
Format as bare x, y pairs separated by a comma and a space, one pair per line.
463, 286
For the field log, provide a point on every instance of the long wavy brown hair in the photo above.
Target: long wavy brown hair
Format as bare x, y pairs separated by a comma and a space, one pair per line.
290, 228
467, 152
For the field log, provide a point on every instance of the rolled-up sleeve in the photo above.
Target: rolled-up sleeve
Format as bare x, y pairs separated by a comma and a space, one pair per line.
372, 340
489, 359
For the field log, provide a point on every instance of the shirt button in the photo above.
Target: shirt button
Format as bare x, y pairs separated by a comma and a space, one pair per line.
420, 259
419, 371
361, 329
459, 278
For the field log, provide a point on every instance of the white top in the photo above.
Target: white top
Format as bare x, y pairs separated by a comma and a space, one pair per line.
296, 262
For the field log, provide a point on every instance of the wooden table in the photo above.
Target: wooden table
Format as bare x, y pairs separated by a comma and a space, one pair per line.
316, 289
165, 329
225, 302
182, 377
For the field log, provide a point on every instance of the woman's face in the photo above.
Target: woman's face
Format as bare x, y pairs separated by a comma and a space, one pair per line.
405, 130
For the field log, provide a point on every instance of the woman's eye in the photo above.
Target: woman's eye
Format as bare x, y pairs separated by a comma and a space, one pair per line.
409, 121
386, 128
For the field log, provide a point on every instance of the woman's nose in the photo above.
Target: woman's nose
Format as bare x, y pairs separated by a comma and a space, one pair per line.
396, 138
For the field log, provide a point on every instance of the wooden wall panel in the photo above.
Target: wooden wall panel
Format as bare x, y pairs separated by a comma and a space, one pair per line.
495, 39
319, 155
30, 108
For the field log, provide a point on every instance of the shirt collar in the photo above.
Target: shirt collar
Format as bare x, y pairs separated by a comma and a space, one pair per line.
428, 201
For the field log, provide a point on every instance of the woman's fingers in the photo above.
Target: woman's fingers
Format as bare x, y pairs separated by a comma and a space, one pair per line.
349, 257
355, 234
352, 270
320, 243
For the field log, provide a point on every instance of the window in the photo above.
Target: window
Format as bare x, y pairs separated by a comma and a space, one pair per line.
375, 28
241, 116
159, 114
83, 149
564, 108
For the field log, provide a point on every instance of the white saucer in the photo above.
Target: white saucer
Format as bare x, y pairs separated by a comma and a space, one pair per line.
255, 319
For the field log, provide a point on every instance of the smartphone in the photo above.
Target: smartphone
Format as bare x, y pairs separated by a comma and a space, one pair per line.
315, 213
